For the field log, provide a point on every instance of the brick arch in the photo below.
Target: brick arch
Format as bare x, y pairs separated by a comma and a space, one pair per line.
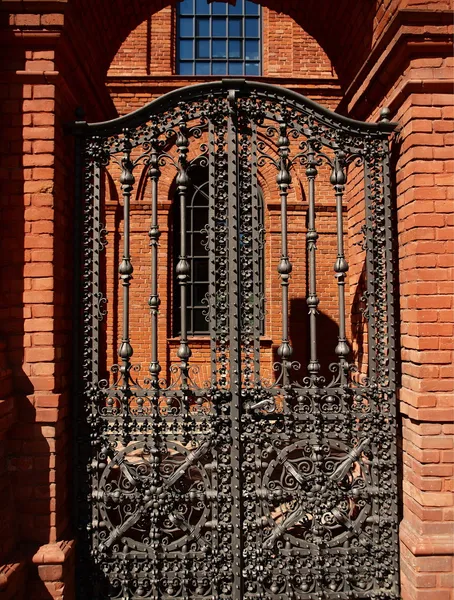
105, 26
150, 49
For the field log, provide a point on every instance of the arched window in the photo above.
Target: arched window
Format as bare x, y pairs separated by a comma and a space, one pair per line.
218, 38
198, 255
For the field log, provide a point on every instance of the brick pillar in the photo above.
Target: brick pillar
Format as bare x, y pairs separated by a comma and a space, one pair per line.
36, 100
412, 72
426, 233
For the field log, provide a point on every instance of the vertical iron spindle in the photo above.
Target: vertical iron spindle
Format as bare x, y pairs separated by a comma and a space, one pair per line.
284, 268
154, 234
183, 269
338, 180
127, 182
312, 237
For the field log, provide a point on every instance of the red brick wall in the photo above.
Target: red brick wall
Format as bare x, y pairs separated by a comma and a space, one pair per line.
288, 50
149, 49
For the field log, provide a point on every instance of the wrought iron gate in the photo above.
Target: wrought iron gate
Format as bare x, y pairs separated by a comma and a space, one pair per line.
240, 487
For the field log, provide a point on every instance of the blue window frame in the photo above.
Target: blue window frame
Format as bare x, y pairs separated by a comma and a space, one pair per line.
218, 38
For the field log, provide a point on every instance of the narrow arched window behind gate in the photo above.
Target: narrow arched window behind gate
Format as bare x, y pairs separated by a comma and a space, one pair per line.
198, 256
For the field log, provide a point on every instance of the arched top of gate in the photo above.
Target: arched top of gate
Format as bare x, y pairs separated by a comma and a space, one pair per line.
283, 101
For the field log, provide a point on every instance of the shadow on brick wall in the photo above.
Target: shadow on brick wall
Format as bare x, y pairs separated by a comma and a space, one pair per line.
26, 508
34, 320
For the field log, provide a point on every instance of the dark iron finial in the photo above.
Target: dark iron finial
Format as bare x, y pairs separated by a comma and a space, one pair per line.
385, 114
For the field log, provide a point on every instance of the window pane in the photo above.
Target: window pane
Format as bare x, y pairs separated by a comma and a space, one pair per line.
197, 244
201, 197
199, 322
185, 68
202, 49
186, 27
186, 7
237, 9
186, 49
219, 48
252, 68
252, 27
251, 8
219, 8
220, 38
236, 68
202, 68
219, 27
235, 29
202, 26
202, 7
220, 68
252, 50
235, 50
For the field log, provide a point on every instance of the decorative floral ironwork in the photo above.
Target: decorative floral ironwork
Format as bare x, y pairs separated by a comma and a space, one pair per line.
240, 488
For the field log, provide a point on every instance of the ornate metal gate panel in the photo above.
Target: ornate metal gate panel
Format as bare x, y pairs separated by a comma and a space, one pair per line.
246, 486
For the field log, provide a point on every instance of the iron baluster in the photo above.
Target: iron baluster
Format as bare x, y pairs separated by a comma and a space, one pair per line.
127, 182
338, 180
183, 268
284, 268
154, 302
311, 238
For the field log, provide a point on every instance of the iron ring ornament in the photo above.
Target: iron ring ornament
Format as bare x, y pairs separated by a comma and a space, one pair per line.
245, 486
153, 497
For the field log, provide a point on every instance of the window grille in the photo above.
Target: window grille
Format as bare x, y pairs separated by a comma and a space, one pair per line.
198, 255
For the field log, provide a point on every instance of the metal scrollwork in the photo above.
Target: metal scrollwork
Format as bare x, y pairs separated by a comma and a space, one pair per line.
246, 486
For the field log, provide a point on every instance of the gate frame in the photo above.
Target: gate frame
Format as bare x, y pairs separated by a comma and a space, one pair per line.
381, 130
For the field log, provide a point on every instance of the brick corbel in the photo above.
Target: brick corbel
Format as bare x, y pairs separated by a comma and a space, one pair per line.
12, 579
52, 560
54, 554
35, 25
